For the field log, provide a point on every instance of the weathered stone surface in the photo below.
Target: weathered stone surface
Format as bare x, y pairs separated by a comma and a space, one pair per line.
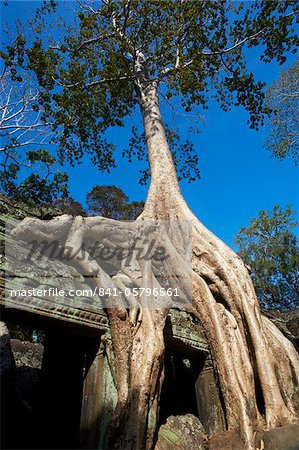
181, 433
23, 359
210, 411
182, 328
99, 401
20, 210
283, 438
226, 440
27, 354
6, 357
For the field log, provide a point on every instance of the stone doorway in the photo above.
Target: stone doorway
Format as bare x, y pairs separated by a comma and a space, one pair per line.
178, 396
41, 407
190, 387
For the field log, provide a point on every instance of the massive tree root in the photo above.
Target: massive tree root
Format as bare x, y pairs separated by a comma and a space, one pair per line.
252, 357
258, 368
246, 350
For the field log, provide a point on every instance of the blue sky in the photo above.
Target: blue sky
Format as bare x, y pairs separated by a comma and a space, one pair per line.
238, 176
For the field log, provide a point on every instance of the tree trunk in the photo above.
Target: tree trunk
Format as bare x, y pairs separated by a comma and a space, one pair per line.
248, 351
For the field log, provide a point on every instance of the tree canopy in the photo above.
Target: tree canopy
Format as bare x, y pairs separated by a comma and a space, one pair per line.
271, 250
92, 73
282, 98
112, 202
69, 206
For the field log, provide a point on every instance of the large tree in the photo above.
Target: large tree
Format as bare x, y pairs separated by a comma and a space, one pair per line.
271, 250
121, 55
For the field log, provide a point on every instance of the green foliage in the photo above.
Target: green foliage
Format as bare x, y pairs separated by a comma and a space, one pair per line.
271, 250
93, 78
69, 206
112, 202
282, 98
43, 182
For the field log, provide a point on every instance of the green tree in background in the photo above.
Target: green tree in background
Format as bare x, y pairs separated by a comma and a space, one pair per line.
69, 206
282, 98
112, 202
41, 182
271, 250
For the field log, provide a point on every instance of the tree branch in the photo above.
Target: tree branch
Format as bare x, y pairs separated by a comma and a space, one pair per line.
177, 65
236, 45
96, 83
83, 44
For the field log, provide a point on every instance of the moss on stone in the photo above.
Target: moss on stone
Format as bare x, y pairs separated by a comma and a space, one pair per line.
170, 435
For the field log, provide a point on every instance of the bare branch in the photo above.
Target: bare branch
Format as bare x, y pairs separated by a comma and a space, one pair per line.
236, 45
88, 7
171, 69
97, 82
83, 44
21, 124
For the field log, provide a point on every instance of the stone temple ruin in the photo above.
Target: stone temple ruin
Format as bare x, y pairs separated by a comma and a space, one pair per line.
66, 394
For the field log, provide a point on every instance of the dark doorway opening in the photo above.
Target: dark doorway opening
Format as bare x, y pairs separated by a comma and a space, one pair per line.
42, 408
58, 408
178, 396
